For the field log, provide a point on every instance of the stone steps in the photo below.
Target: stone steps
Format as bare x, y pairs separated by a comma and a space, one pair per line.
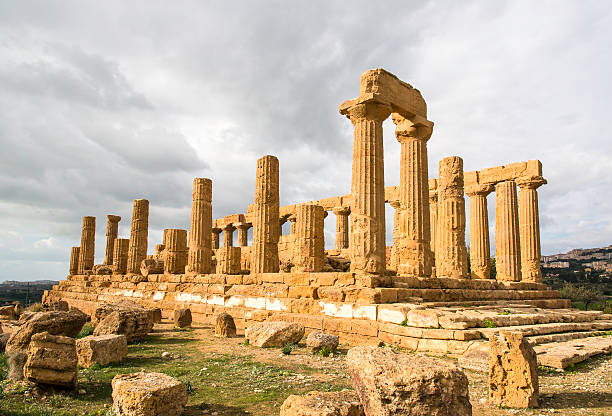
552, 328
562, 355
562, 337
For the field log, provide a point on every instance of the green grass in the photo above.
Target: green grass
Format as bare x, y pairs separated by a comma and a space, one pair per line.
489, 323
87, 330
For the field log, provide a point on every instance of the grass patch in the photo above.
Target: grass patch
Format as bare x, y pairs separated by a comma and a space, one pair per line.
489, 323
87, 330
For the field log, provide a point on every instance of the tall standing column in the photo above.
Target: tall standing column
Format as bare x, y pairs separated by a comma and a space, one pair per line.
507, 246
451, 252
200, 234
243, 233
228, 235
137, 250
266, 225
112, 228
309, 245
414, 254
88, 245
120, 255
176, 251
215, 237
292, 219
480, 247
529, 226
397, 214
433, 224
367, 241
342, 227
74, 260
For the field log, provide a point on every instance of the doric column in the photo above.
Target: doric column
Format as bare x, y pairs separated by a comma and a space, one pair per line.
414, 253
397, 214
342, 227
74, 260
176, 251
88, 244
137, 250
266, 226
112, 227
228, 260
367, 241
433, 224
507, 247
120, 255
529, 226
292, 219
243, 233
228, 235
309, 253
215, 237
480, 248
200, 234
451, 253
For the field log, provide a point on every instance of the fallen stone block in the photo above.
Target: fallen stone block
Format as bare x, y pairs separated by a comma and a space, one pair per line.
316, 340
148, 394
52, 360
3, 340
182, 317
316, 403
135, 324
102, 350
391, 383
225, 325
15, 362
274, 334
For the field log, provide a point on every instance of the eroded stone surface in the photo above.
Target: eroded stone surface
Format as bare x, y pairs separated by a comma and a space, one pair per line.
135, 324
52, 360
148, 394
315, 403
225, 325
182, 318
101, 349
316, 340
274, 334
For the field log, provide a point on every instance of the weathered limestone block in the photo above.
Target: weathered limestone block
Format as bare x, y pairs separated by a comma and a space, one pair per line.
101, 350
134, 324
200, 234
148, 394
182, 318
274, 334
112, 227
309, 245
513, 371
16, 361
390, 383
105, 309
423, 318
151, 266
88, 241
175, 241
55, 323
480, 248
155, 314
316, 403
4, 337
266, 226
74, 260
8, 311
52, 360
59, 305
507, 246
228, 260
451, 252
414, 251
225, 325
342, 227
529, 228
137, 249
120, 255
316, 340
102, 269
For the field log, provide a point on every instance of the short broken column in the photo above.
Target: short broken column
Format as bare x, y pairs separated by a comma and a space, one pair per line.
137, 250
88, 241
228, 234
120, 255
480, 249
112, 228
176, 251
215, 231
243, 233
200, 233
74, 260
529, 226
451, 252
507, 246
309, 253
342, 227
266, 225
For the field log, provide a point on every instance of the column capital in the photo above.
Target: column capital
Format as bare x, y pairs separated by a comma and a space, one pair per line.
480, 189
113, 218
368, 108
411, 129
216, 230
229, 227
342, 210
243, 225
530, 182
292, 218
433, 196
395, 204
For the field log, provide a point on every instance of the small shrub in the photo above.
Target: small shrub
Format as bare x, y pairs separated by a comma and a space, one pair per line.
324, 351
404, 322
504, 313
287, 348
246, 341
85, 331
35, 307
489, 323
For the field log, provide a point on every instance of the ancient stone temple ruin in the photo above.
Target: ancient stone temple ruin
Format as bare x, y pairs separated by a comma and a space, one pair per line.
422, 293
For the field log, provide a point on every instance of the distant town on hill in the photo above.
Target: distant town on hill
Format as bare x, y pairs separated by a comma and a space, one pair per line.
25, 292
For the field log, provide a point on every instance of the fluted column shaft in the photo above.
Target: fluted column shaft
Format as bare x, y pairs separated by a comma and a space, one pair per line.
507, 246
451, 252
137, 250
397, 214
433, 226
112, 228
342, 227
480, 248
266, 225
529, 226
215, 237
200, 234
176, 251
74, 260
414, 254
228, 235
120, 255
367, 241
88, 243
243, 233
309, 246
292, 219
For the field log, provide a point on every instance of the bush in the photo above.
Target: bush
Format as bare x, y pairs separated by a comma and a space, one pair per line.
85, 331
489, 323
288, 347
580, 294
324, 351
35, 307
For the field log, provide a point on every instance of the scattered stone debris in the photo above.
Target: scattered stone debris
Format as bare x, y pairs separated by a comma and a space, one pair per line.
274, 334
135, 324
225, 325
182, 318
317, 340
52, 360
315, 403
102, 349
148, 394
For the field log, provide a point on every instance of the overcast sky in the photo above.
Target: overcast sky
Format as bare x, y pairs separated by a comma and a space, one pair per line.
102, 102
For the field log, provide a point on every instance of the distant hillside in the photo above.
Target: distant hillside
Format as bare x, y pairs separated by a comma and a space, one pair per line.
24, 292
